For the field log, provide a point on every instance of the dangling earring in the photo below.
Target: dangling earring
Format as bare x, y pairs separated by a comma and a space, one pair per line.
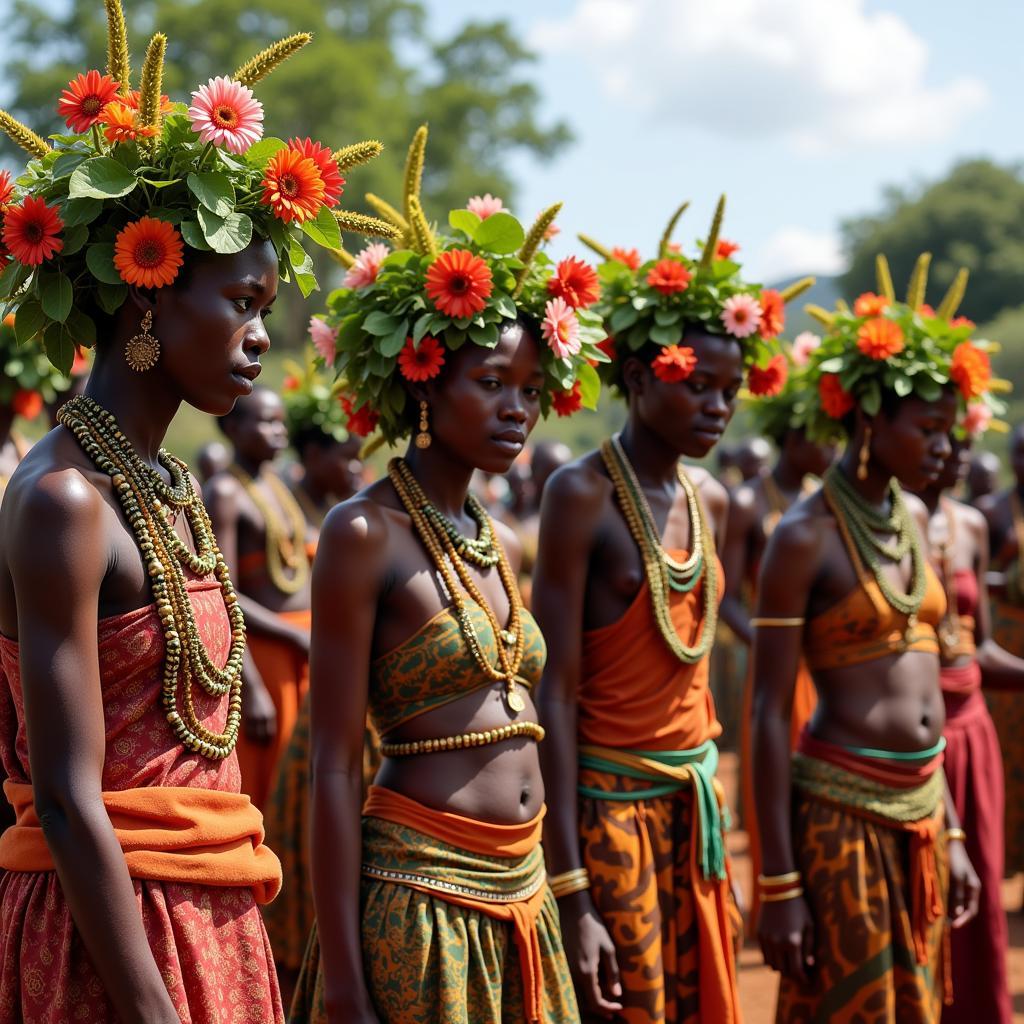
865, 455
143, 350
423, 438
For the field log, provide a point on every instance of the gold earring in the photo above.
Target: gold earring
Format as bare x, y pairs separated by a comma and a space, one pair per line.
865, 455
143, 350
423, 438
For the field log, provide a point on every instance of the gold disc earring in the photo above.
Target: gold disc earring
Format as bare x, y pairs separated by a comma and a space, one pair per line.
423, 438
143, 350
865, 455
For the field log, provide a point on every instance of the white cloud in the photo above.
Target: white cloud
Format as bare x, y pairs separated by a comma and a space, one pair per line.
795, 250
825, 74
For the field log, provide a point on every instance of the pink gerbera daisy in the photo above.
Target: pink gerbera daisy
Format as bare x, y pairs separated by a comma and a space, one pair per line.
741, 315
323, 339
560, 328
483, 206
226, 114
803, 345
367, 265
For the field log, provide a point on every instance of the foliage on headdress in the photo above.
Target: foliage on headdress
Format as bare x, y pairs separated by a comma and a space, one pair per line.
882, 346
137, 160
392, 309
311, 399
773, 416
25, 371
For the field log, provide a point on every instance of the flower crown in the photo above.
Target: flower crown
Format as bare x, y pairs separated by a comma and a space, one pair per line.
908, 348
774, 415
402, 310
656, 301
311, 401
27, 378
115, 203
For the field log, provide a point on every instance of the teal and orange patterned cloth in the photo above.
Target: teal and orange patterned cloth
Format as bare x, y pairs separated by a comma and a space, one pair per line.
458, 922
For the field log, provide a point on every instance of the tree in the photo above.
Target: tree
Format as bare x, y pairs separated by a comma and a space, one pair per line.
972, 218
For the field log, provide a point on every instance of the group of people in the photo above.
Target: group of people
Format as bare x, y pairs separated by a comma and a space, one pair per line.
293, 740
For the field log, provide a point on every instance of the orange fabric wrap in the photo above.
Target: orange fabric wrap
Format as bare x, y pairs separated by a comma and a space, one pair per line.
167, 833
490, 840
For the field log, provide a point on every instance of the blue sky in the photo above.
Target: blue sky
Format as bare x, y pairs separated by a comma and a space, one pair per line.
800, 110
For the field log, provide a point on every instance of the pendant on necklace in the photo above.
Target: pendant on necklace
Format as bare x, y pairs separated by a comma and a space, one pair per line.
514, 699
509, 637
908, 635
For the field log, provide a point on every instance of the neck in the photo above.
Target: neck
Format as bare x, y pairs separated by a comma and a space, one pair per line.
875, 487
931, 496
444, 479
142, 403
788, 477
653, 461
250, 466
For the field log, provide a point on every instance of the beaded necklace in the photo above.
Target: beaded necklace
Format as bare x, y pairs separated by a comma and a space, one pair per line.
149, 504
511, 641
664, 574
286, 543
480, 550
860, 523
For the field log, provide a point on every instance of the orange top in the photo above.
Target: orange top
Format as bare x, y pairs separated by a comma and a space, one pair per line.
634, 692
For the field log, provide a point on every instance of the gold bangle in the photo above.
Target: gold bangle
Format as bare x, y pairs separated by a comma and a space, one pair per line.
772, 880
767, 621
955, 833
779, 897
569, 882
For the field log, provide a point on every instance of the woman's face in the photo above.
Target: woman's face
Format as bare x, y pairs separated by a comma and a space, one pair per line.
211, 329
690, 415
257, 426
487, 401
335, 467
913, 444
956, 466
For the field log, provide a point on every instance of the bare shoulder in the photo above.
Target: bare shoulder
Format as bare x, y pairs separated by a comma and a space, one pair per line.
917, 508
581, 483
970, 518
803, 529
358, 528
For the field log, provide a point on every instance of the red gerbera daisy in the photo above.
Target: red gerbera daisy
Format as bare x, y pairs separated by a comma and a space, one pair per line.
629, 257
459, 283
669, 276
725, 249
835, 399
31, 231
362, 421
608, 346
565, 403
422, 363
327, 165
292, 186
27, 404
82, 102
575, 282
148, 252
674, 363
773, 313
6, 187
765, 381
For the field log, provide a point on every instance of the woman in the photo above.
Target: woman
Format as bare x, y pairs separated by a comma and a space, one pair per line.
958, 547
627, 589
134, 873
436, 908
856, 861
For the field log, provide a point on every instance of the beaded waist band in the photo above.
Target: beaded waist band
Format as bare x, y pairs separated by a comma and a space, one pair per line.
465, 740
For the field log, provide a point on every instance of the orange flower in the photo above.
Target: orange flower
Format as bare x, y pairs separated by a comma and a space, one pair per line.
628, 257
292, 186
925, 310
669, 276
27, 404
423, 363
773, 313
575, 282
957, 321
766, 381
971, 370
9, 320
291, 383
362, 421
880, 338
326, 164
674, 363
835, 399
565, 403
31, 231
870, 304
725, 249
132, 100
121, 123
6, 187
82, 102
148, 252
459, 283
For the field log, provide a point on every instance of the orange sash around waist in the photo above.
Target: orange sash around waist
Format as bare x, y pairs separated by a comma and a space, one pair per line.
167, 833
488, 839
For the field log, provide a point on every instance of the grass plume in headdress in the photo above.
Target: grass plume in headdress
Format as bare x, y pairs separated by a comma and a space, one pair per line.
400, 312
883, 346
140, 180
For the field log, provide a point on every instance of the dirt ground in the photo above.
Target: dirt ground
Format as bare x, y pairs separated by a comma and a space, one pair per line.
758, 985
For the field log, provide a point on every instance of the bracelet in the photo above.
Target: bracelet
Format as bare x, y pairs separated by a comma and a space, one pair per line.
767, 621
774, 880
569, 882
955, 833
786, 894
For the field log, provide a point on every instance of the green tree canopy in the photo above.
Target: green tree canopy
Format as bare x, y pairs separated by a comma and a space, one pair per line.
972, 218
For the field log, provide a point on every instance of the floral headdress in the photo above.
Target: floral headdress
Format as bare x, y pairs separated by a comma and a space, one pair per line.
655, 301
116, 201
311, 400
399, 312
906, 348
27, 378
773, 416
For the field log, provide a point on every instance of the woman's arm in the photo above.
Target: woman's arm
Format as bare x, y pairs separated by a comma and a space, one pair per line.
735, 552
350, 564
57, 533
570, 513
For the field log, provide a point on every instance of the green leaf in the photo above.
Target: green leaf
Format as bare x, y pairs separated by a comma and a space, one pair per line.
225, 234
927, 388
74, 238
500, 233
164, 213
504, 305
56, 296
486, 335
159, 183
80, 211
393, 343
324, 229
30, 320
422, 327
82, 328
193, 235
667, 317
902, 386
258, 154
622, 318
590, 386
60, 347
380, 324
102, 177
299, 258
111, 296
66, 163
214, 191
307, 283
100, 260
871, 399
833, 365
666, 335
465, 221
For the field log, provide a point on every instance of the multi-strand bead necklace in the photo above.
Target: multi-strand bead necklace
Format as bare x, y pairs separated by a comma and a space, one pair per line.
150, 506
287, 562
452, 566
665, 574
